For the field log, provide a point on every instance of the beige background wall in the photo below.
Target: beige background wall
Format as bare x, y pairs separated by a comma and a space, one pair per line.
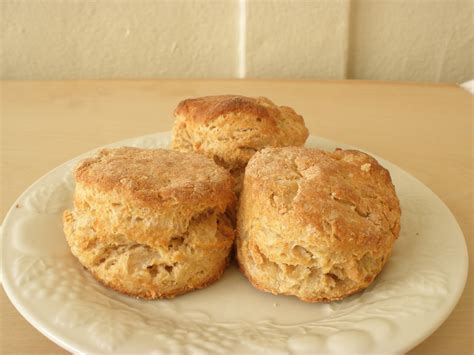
414, 40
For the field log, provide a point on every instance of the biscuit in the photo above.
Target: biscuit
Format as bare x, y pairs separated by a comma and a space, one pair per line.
313, 224
229, 129
151, 223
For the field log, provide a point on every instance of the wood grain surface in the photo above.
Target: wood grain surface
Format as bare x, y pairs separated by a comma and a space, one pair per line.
425, 129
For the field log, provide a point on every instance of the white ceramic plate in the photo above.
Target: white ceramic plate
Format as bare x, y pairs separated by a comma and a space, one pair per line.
414, 294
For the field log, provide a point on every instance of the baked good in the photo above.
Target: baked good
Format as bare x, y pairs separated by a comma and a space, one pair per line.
317, 225
151, 223
230, 128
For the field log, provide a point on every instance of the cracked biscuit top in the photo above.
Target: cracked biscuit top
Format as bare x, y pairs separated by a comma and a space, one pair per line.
345, 199
150, 195
157, 177
231, 128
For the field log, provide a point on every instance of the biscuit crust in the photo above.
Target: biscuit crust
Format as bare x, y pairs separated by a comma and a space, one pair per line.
315, 224
154, 177
230, 128
151, 223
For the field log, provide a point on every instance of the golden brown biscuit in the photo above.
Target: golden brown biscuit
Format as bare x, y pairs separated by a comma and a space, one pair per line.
151, 222
314, 224
229, 129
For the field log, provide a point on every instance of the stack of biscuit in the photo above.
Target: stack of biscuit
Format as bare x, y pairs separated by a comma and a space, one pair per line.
157, 223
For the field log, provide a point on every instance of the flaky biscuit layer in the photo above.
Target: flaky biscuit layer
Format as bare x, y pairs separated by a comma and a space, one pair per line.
315, 224
151, 222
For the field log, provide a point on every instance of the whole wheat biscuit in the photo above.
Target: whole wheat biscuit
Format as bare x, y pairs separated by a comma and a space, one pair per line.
230, 128
314, 224
151, 222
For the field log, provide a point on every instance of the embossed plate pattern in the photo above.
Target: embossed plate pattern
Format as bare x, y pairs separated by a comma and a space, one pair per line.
414, 294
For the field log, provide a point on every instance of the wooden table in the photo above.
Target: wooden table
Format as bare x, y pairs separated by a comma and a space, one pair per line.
425, 129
